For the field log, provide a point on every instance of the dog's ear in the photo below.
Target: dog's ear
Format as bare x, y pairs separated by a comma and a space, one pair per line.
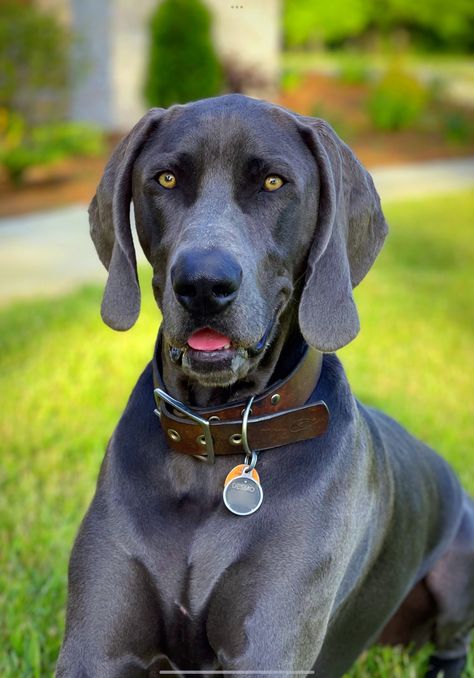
350, 231
109, 218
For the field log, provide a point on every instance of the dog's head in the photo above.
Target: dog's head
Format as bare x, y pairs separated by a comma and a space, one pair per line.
236, 200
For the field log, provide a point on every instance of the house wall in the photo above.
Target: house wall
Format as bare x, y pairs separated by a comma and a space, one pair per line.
112, 47
247, 33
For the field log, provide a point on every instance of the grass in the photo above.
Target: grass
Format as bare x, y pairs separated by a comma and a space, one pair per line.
445, 65
65, 377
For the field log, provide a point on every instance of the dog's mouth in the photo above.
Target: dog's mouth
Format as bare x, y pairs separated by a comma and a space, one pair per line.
215, 357
208, 341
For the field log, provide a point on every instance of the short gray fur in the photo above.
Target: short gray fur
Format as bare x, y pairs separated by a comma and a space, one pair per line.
162, 574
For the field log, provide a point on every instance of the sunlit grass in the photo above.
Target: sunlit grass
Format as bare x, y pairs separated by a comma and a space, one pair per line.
65, 377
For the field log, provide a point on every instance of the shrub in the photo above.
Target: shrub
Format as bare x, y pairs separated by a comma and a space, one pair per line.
183, 65
353, 69
397, 101
290, 79
34, 62
22, 146
457, 127
307, 23
430, 24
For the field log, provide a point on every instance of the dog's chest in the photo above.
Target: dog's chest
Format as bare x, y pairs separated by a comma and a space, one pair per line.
187, 570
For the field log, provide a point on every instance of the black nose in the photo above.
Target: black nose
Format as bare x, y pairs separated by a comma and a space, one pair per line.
206, 281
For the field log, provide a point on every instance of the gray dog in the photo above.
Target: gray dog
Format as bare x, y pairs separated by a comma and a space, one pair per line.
258, 224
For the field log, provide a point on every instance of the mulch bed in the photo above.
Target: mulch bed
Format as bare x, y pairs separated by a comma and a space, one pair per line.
343, 104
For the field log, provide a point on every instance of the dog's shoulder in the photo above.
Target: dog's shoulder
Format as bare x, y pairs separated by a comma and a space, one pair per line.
427, 495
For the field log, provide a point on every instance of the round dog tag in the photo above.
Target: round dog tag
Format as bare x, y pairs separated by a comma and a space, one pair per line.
237, 471
243, 495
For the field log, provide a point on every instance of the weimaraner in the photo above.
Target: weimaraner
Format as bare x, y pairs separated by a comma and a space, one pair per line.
258, 223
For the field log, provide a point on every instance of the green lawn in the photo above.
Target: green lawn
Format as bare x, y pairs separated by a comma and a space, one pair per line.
65, 377
445, 66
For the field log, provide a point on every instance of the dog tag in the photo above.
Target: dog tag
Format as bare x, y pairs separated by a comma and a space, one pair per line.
237, 471
243, 493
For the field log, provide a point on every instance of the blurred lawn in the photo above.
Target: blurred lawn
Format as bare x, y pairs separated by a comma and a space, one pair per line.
446, 66
65, 377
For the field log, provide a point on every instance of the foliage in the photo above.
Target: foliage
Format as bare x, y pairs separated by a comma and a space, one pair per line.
353, 68
309, 23
457, 127
34, 61
434, 24
397, 101
22, 147
338, 122
65, 377
290, 79
430, 24
183, 65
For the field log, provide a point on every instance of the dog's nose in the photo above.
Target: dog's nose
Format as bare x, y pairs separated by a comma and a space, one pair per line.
206, 281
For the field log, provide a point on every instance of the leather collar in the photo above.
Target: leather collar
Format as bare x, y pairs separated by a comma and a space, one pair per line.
281, 415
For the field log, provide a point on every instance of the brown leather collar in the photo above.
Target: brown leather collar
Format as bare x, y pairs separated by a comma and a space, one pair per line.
279, 416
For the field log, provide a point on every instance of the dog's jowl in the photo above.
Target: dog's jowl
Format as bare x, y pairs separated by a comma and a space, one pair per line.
336, 529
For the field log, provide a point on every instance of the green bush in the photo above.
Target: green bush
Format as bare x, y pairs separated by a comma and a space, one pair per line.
34, 62
397, 101
183, 65
457, 128
310, 24
290, 79
429, 24
353, 69
22, 146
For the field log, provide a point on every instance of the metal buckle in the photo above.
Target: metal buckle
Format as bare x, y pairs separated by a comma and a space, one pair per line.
161, 395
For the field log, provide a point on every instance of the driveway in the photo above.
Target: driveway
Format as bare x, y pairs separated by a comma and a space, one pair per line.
51, 252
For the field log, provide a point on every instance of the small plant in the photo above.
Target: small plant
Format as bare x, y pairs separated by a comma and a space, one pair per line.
22, 146
290, 80
183, 65
458, 129
397, 101
353, 69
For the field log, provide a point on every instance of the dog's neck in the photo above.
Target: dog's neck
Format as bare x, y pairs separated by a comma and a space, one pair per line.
276, 363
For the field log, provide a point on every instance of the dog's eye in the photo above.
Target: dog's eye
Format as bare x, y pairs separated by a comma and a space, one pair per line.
167, 180
273, 182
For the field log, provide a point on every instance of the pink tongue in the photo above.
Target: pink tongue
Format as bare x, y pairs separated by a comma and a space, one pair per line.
208, 340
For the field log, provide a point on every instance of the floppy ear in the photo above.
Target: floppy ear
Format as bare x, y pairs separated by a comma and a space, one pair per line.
350, 231
109, 218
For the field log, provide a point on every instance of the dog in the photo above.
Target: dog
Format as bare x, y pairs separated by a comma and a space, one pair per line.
335, 529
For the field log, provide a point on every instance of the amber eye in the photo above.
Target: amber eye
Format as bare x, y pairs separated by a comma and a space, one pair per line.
167, 180
273, 182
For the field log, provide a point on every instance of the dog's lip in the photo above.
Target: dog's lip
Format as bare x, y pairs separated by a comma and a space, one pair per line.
220, 355
223, 349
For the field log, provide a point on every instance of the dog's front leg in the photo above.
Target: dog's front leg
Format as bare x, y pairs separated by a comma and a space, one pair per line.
111, 623
266, 625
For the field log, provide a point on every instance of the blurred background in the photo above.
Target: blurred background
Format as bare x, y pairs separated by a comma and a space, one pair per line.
395, 78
